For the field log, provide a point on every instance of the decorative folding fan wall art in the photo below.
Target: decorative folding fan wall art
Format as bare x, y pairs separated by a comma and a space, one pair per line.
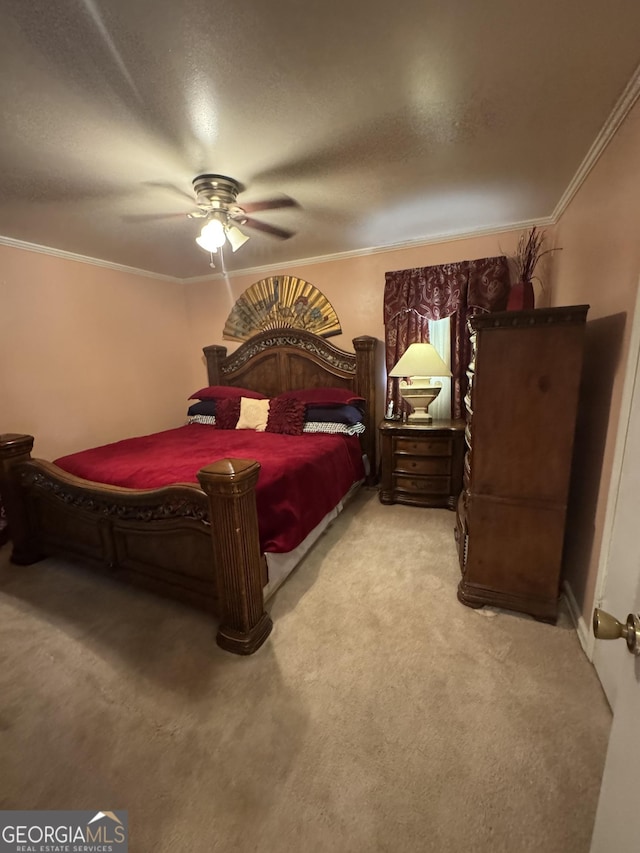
281, 302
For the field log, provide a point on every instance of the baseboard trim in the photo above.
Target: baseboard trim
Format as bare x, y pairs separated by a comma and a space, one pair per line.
587, 640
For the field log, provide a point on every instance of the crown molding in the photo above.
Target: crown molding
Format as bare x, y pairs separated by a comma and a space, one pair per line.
84, 259
622, 107
448, 237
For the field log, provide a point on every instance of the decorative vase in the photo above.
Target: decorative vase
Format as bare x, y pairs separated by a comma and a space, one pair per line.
521, 297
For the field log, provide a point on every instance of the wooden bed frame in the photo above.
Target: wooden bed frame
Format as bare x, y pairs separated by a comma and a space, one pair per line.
198, 544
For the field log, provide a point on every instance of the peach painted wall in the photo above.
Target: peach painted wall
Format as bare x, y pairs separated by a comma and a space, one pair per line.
599, 265
87, 354
354, 286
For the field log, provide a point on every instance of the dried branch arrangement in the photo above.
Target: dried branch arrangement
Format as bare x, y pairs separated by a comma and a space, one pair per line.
528, 253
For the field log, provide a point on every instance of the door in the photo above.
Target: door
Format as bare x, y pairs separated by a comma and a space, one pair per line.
617, 825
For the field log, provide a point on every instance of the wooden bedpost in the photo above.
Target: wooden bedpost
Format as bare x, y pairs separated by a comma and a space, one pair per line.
15, 448
365, 385
230, 487
214, 355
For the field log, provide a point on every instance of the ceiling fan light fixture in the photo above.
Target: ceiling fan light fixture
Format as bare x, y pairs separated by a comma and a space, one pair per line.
216, 199
212, 236
235, 237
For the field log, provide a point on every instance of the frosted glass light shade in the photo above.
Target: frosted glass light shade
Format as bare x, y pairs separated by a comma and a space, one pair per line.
235, 237
212, 236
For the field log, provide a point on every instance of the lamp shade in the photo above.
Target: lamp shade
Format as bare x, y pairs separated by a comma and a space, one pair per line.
420, 360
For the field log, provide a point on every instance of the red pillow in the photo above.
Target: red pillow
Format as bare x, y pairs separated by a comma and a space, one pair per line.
227, 413
222, 392
324, 396
286, 416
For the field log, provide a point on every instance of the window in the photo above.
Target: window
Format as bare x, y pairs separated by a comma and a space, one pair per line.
440, 337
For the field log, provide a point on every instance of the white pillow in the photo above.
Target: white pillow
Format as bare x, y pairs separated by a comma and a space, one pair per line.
253, 414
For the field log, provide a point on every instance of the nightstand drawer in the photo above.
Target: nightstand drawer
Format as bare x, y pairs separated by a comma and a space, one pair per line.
438, 466
421, 465
422, 485
423, 446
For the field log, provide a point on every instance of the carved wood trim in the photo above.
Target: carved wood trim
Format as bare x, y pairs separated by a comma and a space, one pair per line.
562, 316
320, 350
170, 502
230, 487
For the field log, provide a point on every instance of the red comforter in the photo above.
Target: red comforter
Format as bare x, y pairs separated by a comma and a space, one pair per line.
301, 479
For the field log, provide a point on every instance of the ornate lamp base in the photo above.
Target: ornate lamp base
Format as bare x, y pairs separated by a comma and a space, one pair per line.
419, 418
420, 394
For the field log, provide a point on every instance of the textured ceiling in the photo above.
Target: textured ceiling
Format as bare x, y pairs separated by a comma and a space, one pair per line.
387, 123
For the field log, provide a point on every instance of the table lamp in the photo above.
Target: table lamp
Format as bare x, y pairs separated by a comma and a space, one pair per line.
418, 366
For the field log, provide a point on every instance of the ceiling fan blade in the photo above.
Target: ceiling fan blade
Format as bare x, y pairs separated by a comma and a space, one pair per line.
165, 185
269, 204
151, 217
274, 230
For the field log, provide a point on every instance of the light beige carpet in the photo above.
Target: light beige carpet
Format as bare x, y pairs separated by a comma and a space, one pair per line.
381, 715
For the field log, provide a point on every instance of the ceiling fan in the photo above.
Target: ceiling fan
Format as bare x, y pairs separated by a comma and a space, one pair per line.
216, 198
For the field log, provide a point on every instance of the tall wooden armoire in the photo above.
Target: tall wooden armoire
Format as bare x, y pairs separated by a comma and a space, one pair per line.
521, 407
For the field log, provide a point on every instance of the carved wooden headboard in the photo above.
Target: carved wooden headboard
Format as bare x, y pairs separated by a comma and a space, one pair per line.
288, 359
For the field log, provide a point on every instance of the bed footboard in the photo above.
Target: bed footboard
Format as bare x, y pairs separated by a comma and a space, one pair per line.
230, 486
198, 545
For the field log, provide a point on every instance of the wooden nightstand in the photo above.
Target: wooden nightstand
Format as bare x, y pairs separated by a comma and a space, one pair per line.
421, 464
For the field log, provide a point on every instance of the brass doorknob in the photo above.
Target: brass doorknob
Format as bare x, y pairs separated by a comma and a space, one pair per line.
607, 627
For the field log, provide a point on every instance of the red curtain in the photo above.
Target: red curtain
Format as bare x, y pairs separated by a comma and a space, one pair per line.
413, 297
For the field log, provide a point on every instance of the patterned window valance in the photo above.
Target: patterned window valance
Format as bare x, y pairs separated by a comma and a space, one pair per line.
438, 291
